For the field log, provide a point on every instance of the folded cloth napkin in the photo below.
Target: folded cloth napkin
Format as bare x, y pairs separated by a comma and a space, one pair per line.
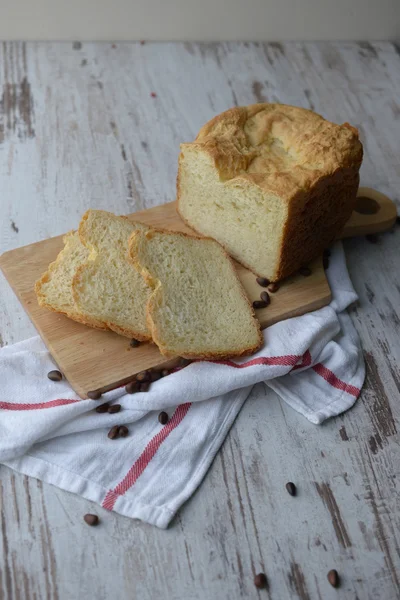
313, 362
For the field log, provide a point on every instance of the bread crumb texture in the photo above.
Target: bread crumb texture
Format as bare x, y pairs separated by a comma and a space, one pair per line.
107, 287
198, 308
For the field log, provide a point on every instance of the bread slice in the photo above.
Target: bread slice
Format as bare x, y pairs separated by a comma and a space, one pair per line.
54, 288
198, 308
106, 288
274, 184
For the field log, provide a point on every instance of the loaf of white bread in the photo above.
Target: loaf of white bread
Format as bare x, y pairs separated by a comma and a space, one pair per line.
274, 184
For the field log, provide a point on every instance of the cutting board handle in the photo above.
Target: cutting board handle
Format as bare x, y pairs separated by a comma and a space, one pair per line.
374, 212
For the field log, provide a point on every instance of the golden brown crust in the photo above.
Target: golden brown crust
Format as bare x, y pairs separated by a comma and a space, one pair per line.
278, 147
155, 283
311, 225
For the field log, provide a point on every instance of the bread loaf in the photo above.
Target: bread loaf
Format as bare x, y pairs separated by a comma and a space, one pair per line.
198, 308
274, 184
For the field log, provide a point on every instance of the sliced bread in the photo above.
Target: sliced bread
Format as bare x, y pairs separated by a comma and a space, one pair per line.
198, 308
106, 288
54, 288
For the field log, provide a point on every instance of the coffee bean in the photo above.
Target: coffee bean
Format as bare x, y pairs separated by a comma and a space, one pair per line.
333, 578
260, 581
115, 408
372, 238
163, 418
91, 519
143, 376
164, 372
103, 408
274, 287
54, 375
123, 431
325, 262
265, 297
144, 387
114, 432
305, 271
93, 395
134, 343
132, 387
259, 304
263, 281
291, 488
155, 375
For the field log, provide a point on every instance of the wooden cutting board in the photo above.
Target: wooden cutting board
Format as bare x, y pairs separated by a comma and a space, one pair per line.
98, 360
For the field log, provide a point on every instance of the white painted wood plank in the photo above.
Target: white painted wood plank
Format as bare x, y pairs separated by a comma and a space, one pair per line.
79, 128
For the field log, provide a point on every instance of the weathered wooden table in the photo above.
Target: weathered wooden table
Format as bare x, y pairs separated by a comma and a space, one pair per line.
99, 125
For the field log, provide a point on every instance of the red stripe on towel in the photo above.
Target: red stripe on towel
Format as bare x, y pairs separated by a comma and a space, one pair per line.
334, 381
286, 361
144, 459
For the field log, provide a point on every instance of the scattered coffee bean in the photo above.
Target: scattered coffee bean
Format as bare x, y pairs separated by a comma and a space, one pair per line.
265, 297
123, 431
91, 519
143, 376
325, 262
93, 395
103, 408
305, 271
333, 578
259, 304
184, 362
132, 387
164, 372
291, 488
115, 408
153, 95
114, 432
144, 387
260, 581
273, 287
54, 375
372, 238
155, 375
163, 418
134, 343
263, 281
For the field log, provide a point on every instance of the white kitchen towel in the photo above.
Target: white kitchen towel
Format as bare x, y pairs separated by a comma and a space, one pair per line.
313, 362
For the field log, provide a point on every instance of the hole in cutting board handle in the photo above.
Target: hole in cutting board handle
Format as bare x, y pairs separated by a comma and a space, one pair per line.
366, 205
374, 213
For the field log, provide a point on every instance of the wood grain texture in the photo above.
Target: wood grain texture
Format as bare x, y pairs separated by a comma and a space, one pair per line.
94, 360
79, 128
